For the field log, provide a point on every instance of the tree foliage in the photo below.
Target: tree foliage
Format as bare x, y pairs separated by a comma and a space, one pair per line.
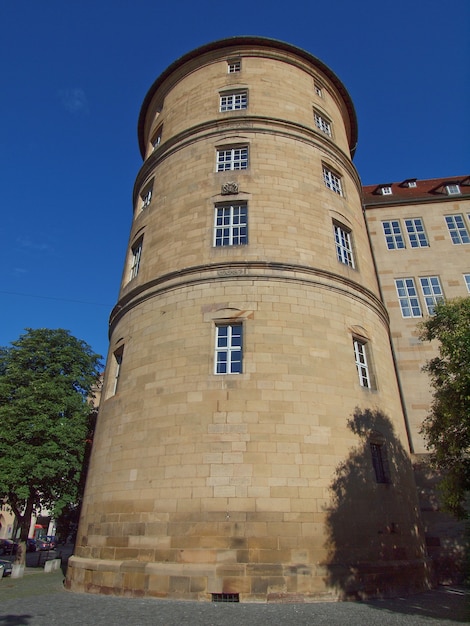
46, 383
447, 427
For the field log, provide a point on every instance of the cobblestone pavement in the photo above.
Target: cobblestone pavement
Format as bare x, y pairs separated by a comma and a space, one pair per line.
39, 599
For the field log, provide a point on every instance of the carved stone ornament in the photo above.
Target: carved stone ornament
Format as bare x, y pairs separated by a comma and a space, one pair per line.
229, 188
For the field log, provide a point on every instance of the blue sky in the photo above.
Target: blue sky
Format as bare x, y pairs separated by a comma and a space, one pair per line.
74, 77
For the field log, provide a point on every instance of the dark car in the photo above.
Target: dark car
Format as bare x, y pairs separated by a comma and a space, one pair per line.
7, 546
6, 566
44, 544
30, 545
51, 540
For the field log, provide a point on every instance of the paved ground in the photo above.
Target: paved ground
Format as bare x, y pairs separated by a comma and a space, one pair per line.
39, 599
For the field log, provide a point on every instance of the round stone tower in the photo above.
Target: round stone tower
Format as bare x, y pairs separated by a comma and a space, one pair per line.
251, 442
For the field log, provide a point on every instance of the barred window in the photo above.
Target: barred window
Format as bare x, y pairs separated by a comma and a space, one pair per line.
232, 159
231, 224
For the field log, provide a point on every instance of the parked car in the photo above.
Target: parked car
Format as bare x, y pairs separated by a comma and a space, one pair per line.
6, 566
7, 546
52, 541
43, 544
30, 545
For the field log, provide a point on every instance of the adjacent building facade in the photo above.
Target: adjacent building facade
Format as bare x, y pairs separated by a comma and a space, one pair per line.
253, 441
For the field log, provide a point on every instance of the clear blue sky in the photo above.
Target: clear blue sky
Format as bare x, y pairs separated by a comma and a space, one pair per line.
75, 72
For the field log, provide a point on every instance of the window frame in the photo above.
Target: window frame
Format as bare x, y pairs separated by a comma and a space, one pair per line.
432, 292
156, 139
380, 464
406, 298
234, 66
395, 236
241, 94
453, 189
386, 190
361, 357
322, 123
417, 238
238, 158
332, 180
466, 279
344, 245
136, 258
146, 195
233, 347
458, 233
232, 225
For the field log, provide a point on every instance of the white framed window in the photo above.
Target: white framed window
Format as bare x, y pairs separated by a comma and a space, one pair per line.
452, 190
457, 229
380, 462
233, 66
362, 365
411, 184
136, 254
232, 159
231, 224
233, 101
322, 123
432, 292
332, 181
408, 297
466, 278
146, 195
343, 242
318, 90
117, 368
416, 233
393, 235
157, 137
386, 191
228, 348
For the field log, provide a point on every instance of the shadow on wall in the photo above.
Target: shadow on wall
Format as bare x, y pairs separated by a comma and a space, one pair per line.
375, 540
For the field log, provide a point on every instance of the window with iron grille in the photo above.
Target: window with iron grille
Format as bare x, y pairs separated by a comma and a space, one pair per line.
343, 242
432, 292
234, 101
393, 234
231, 224
416, 233
380, 462
457, 229
332, 181
322, 123
232, 159
408, 297
228, 348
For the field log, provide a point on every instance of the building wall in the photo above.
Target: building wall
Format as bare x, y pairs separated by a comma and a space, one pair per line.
260, 483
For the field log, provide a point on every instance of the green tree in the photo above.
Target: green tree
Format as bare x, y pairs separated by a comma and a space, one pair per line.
46, 385
447, 427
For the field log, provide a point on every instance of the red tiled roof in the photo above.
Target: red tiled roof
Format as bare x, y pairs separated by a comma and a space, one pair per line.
425, 191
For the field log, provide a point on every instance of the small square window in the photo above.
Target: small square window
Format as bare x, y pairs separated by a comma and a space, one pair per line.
231, 225
318, 90
234, 66
412, 183
386, 191
343, 241
332, 181
146, 196
228, 349
452, 190
232, 159
235, 101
